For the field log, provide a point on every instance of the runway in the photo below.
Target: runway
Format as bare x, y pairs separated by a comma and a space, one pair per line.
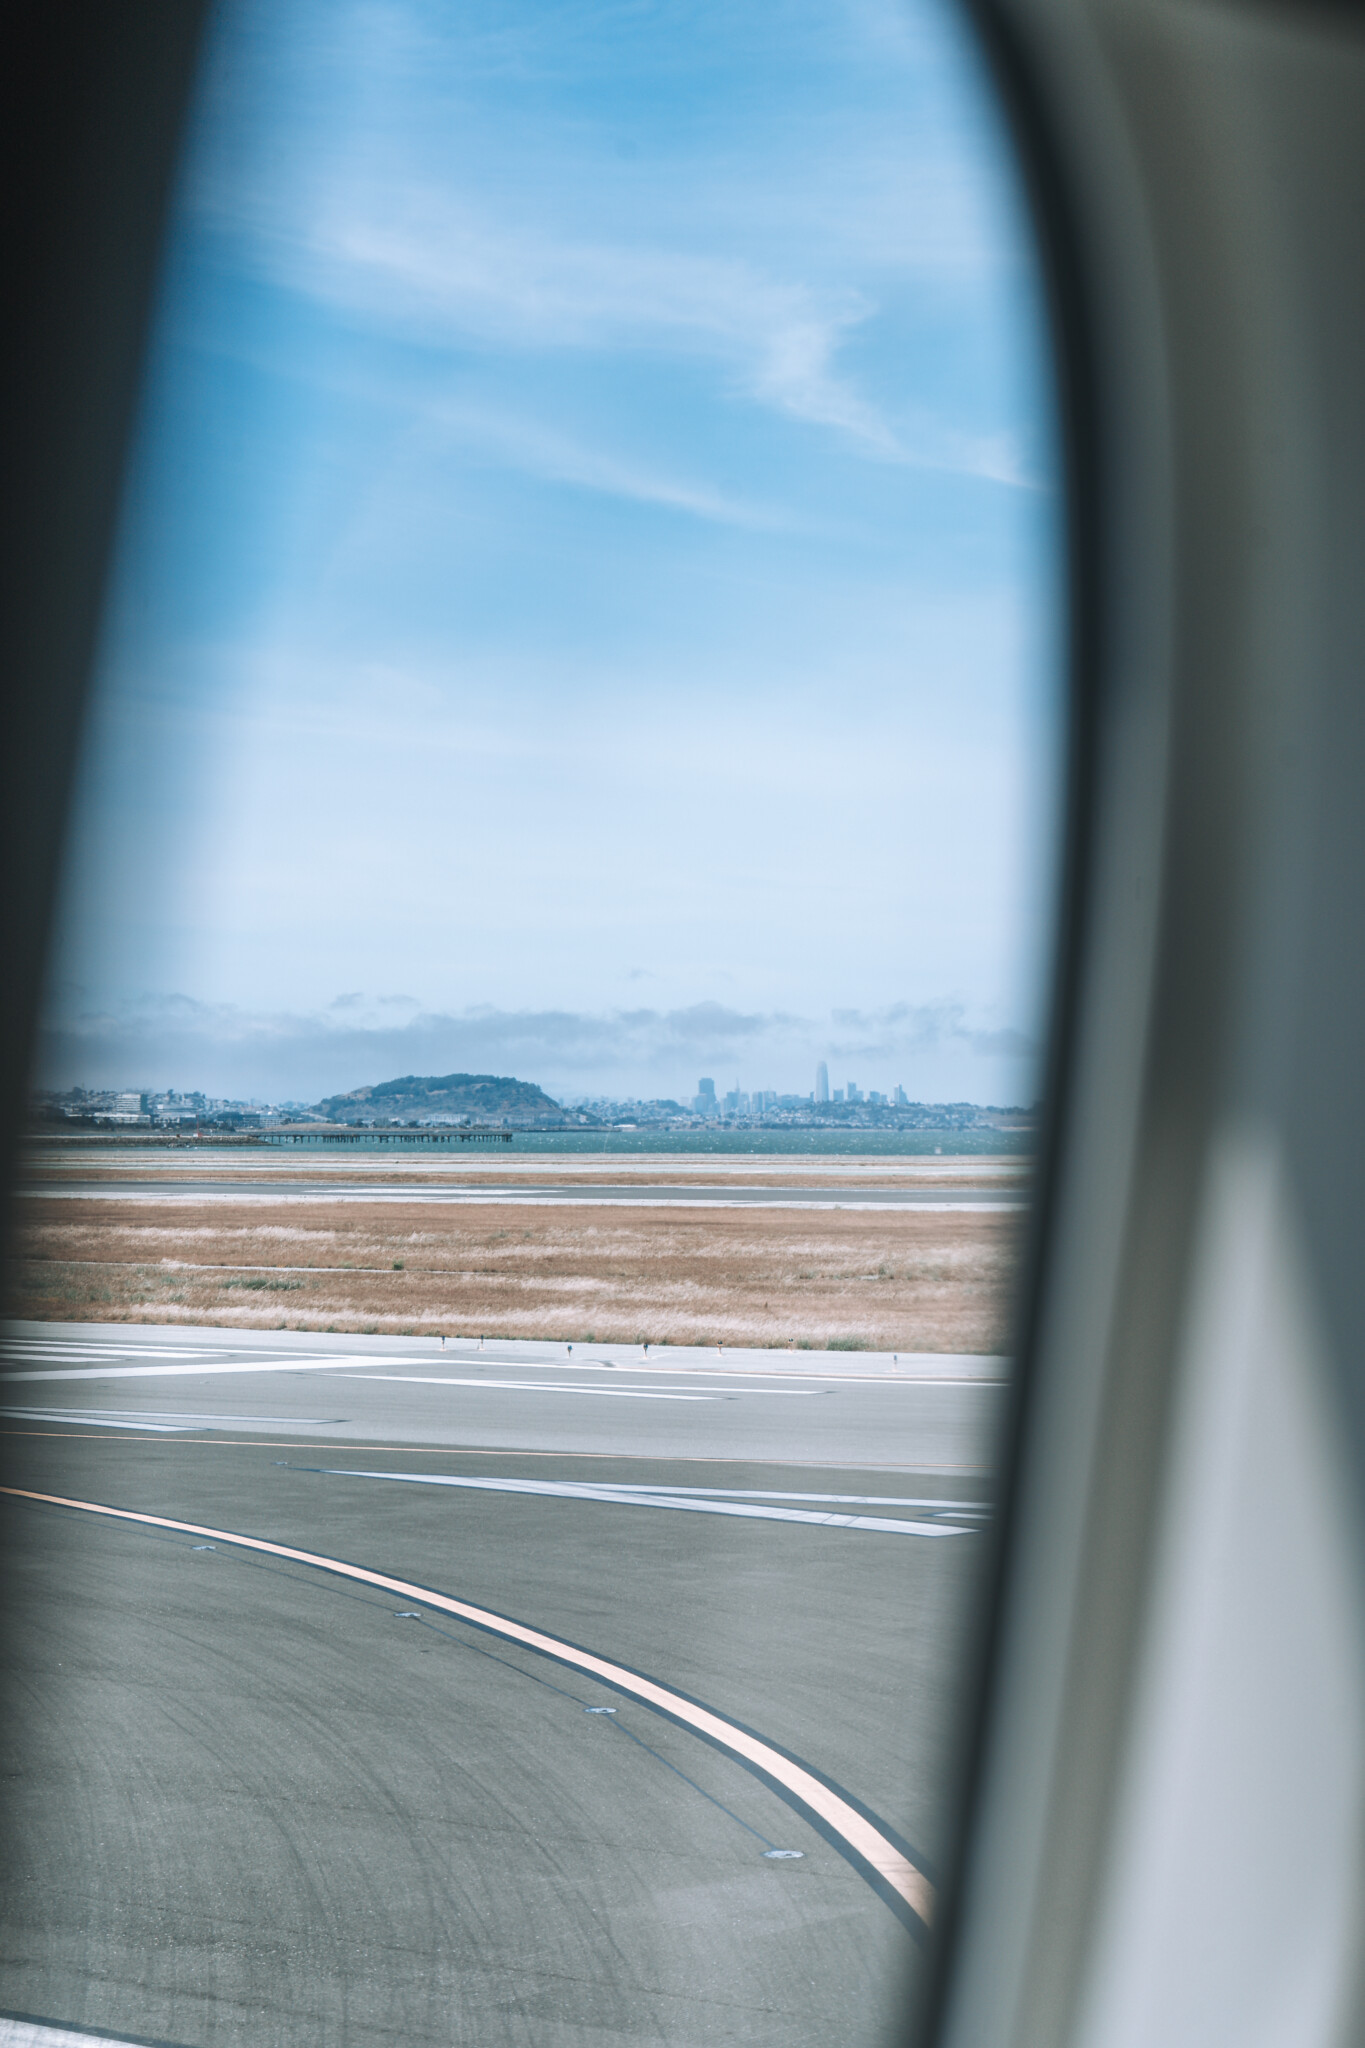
928, 1414
364, 1697
615, 1194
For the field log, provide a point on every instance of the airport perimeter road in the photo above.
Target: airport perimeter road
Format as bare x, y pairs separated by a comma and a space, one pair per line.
627, 1195
488, 1727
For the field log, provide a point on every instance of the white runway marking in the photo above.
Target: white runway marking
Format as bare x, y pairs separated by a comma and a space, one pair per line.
32, 2034
665, 1497
882, 1500
209, 1366
857, 1834
70, 1352
163, 1419
87, 1420
421, 1379
537, 1387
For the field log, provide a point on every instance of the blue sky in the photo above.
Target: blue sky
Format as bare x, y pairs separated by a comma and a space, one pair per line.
588, 593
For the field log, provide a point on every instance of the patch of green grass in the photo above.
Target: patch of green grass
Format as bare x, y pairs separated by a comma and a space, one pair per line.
848, 1344
266, 1286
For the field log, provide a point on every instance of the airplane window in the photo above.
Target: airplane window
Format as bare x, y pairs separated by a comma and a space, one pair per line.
540, 1073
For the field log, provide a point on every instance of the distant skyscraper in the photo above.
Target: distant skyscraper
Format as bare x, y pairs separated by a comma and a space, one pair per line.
704, 1101
822, 1083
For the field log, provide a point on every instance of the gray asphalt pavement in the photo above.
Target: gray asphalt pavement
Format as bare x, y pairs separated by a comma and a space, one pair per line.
625, 1194
252, 1801
796, 1407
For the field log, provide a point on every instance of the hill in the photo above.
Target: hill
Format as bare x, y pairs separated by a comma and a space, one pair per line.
483, 1096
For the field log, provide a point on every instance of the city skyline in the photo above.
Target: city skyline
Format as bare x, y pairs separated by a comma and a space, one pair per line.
189, 1110
939, 1052
139, 1103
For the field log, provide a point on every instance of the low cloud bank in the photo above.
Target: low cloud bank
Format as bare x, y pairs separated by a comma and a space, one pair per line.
935, 1049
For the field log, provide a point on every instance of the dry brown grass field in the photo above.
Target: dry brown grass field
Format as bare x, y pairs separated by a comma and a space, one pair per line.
527, 1180
880, 1279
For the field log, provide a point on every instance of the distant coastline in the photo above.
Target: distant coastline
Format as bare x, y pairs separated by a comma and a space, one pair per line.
851, 1141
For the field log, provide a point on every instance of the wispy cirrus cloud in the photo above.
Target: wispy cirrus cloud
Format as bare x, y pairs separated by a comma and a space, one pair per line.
528, 444
425, 266
422, 261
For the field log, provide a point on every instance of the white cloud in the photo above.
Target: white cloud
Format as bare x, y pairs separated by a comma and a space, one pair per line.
172, 1040
542, 451
415, 263
427, 262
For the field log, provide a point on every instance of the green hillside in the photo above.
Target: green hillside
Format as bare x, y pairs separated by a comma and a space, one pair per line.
422, 1095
